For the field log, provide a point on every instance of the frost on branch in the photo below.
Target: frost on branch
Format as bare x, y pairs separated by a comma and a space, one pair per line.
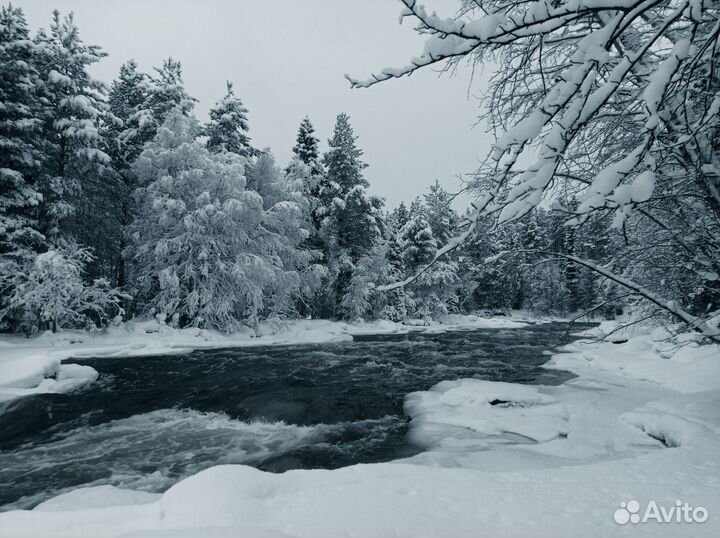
618, 100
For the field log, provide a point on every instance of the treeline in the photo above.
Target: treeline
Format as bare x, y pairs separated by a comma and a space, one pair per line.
117, 202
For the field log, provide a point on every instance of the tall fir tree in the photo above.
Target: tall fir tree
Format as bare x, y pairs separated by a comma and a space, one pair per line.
307, 147
72, 104
228, 127
440, 214
433, 293
400, 215
343, 159
307, 167
127, 98
351, 219
161, 94
19, 160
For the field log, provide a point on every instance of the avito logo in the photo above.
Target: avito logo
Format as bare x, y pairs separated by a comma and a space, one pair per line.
680, 512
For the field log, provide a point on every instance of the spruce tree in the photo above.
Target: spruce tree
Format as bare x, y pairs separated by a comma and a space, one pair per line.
127, 98
343, 160
18, 128
161, 94
19, 235
440, 214
434, 292
228, 126
351, 219
306, 146
72, 106
401, 215
419, 244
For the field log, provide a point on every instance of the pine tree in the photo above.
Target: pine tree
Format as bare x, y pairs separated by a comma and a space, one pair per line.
440, 214
306, 146
433, 292
343, 160
166, 92
19, 160
18, 129
72, 105
401, 215
228, 126
419, 244
161, 94
307, 166
351, 219
128, 97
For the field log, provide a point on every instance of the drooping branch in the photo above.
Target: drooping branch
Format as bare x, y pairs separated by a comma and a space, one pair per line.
671, 307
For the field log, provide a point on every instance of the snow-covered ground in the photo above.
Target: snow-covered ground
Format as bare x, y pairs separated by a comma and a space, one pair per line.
641, 422
34, 365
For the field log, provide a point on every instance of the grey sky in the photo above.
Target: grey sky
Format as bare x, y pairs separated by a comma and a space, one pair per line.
287, 59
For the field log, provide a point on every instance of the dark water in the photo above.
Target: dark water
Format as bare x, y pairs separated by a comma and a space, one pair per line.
151, 421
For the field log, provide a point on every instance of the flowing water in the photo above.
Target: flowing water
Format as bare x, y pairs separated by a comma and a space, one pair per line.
149, 422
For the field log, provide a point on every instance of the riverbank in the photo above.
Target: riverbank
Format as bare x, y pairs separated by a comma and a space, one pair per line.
641, 422
34, 365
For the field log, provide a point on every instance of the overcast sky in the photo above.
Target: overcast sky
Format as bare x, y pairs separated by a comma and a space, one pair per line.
287, 59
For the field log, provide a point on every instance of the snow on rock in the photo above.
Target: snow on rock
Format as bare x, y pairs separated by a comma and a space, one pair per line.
27, 372
486, 408
40, 373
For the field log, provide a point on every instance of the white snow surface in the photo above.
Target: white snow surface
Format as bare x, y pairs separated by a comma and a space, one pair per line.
34, 365
640, 422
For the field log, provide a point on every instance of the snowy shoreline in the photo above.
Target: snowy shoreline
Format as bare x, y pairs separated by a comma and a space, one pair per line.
34, 365
640, 422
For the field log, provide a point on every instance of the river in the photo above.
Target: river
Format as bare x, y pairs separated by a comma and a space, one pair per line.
149, 422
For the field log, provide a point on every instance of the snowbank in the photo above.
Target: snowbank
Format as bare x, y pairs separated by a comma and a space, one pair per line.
680, 363
40, 373
33, 365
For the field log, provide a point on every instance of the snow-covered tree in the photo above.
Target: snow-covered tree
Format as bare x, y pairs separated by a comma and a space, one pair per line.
205, 252
162, 93
419, 244
400, 215
433, 293
51, 293
307, 167
440, 214
72, 103
343, 160
265, 177
307, 147
620, 104
362, 301
128, 97
19, 160
350, 219
228, 127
